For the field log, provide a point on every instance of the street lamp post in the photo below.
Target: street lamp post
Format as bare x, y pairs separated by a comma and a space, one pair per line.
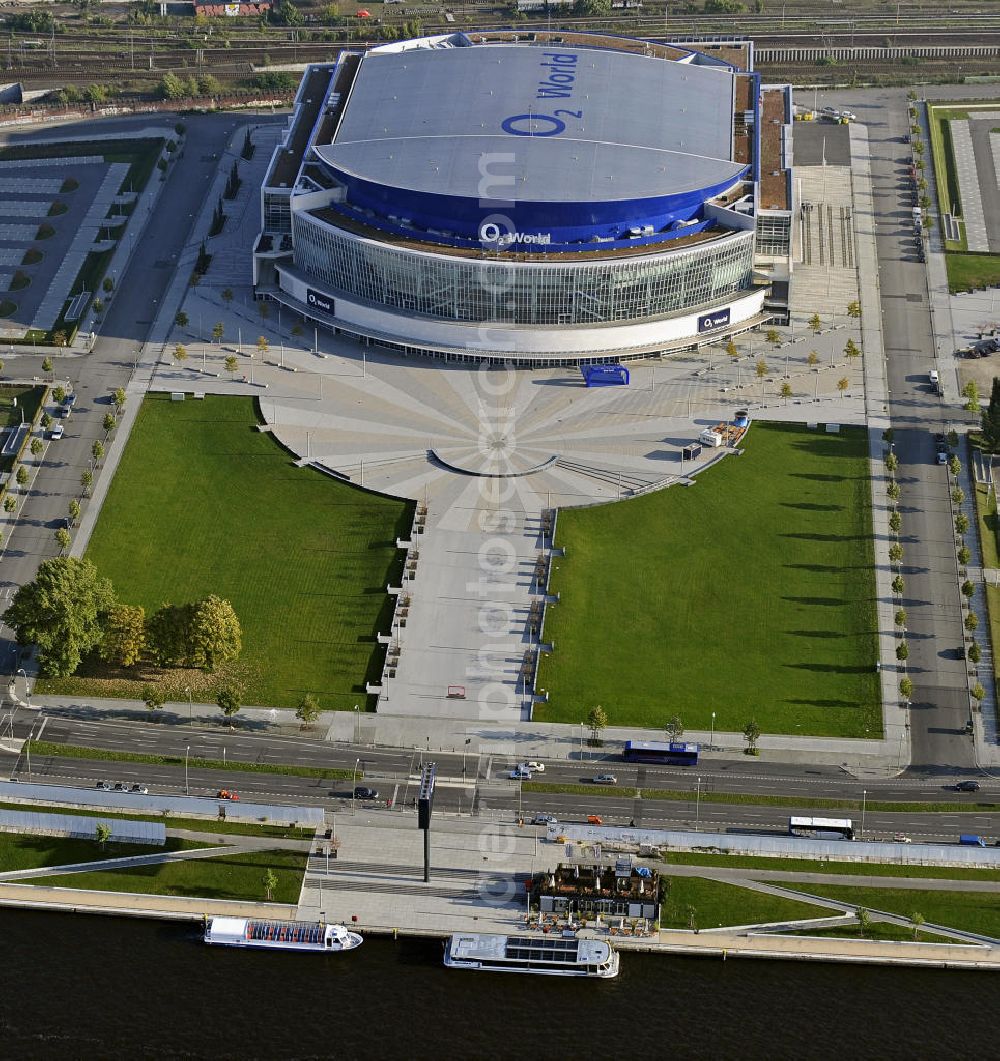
581, 741
354, 783
357, 724
697, 806
711, 739
864, 806
187, 752
187, 689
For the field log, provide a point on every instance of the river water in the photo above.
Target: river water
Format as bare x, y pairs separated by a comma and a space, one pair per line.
98, 987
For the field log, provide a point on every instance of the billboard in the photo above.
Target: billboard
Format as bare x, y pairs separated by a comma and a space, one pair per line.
320, 301
708, 322
425, 796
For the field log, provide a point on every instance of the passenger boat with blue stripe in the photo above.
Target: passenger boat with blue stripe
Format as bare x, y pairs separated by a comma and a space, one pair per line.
280, 935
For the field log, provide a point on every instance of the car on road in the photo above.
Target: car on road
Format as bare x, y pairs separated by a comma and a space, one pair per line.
544, 819
362, 792
932, 377
70, 401
58, 430
520, 774
141, 789
532, 766
941, 449
594, 819
899, 838
62, 410
104, 786
604, 779
121, 786
967, 786
228, 793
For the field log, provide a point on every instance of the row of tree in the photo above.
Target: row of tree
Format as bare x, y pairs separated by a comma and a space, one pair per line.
69, 610
597, 721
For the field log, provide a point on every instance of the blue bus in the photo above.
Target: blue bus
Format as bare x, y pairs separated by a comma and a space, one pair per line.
670, 753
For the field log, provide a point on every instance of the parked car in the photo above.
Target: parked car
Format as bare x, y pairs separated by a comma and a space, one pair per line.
141, 789
605, 779
594, 819
967, 786
544, 819
361, 792
899, 838
58, 430
534, 767
105, 786
932, 377
62, 410
121, 786
520, 774
70, 401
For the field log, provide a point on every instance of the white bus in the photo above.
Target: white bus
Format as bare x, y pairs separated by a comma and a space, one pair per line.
822, 828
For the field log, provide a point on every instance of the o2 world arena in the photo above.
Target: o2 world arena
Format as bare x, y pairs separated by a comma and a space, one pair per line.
538, 197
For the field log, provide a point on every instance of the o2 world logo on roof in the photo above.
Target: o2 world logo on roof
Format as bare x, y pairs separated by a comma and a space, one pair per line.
558, 83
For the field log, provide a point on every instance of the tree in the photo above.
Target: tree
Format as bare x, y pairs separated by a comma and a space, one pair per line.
168, 634
227, 295
900, 617
971, 622
63, 539
171, 87
975, 653
893, 491
971, 392
854, 309
902, 651
124, 639
102, 834
47, 365
153, 698
815, 323
97, 449
968, 590
61, 612
59, 394
761, 368
22, 476
109, 422
9, 503
36, 447
813, 359
218, 331
692, 914
906, 688
773, 337
991, 418
964, 555
978, 692
895, 552
891, 462
216, 637
181, 319
864, 920
87, 481
108, 284
231, 364
851, 350
731, 348
751, 734
674, 728
228, 699
119, 399
957, 495
954, 466
270, 879
180, 353
46, 421
895, 521
262, 344
597, 720
916, 920
961, 523
843, 384
59, 338
786, 391
308, 710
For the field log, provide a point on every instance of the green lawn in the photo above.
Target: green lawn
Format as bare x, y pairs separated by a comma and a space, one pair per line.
971, 911
749, 594
717, 904
234, 876
989, 526
204, 503
971, 270
30, 852
878, 930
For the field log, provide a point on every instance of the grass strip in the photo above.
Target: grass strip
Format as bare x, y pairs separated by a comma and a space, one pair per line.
76, 751
21, 851
877, 930
971, 911
228, 876
197, 825
815, 865
752, 800
696, 902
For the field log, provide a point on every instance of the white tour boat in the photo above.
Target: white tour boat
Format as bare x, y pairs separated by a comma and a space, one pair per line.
280, 935
548, 955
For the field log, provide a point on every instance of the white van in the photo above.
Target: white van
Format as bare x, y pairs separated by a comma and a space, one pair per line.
932, 376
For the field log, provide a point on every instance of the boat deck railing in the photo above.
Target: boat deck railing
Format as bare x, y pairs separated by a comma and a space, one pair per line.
300, 932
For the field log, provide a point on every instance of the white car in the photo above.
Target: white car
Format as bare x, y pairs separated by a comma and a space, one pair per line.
932, 377
532, 767
58, 430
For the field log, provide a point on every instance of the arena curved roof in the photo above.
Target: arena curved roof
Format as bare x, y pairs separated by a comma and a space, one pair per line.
536, 124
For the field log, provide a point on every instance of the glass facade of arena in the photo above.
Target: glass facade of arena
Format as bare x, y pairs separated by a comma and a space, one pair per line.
614, 289
774, 234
